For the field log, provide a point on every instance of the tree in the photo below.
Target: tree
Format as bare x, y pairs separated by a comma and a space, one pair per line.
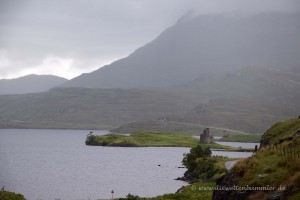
90, 139
189, 160
200, 164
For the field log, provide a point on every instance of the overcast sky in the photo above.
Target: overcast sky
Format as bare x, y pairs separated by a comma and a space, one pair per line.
70, 37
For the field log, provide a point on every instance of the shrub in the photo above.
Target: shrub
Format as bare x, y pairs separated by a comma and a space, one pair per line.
5, 195
90, 139
200, 165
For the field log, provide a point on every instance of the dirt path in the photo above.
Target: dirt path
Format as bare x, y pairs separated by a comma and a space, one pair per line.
230, 164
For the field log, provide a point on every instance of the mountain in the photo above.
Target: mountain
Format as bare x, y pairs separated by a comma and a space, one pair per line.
259, 84
201, 45
82, 108
194, 74
248, 100
29, 84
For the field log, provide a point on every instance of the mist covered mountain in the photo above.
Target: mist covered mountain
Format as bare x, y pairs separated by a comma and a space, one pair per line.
29, 84
201, 45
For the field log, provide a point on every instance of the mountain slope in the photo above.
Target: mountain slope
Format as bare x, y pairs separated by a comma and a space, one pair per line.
248, 100
87, 108
259, 84
203, 44
30, 84
237, 114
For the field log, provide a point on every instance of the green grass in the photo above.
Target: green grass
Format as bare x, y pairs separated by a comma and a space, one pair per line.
242, 138
272, 165
147, 139
277, 170
5, 195
281, 130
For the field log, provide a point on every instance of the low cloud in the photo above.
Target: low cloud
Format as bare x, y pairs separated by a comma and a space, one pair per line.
81, 36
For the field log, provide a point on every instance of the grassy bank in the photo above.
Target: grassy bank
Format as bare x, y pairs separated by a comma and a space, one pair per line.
281, 130
270, 167
276, 164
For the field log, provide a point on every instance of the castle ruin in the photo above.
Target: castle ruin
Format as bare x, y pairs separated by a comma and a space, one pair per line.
205, 137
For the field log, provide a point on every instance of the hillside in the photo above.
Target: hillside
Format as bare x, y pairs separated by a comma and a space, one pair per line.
275, 165
87, 108
239, 114
259, 84
30, 84
247, 100
201, 45
233, 115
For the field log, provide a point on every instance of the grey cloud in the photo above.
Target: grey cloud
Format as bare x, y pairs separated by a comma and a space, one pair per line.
88, 31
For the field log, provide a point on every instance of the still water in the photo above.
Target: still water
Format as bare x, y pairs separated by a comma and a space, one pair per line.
56, 164
236, 145
239, 144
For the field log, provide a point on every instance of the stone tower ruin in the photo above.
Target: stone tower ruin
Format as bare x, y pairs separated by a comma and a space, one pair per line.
205, 137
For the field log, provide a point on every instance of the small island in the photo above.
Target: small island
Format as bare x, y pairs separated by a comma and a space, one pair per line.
153, 139
142, 139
